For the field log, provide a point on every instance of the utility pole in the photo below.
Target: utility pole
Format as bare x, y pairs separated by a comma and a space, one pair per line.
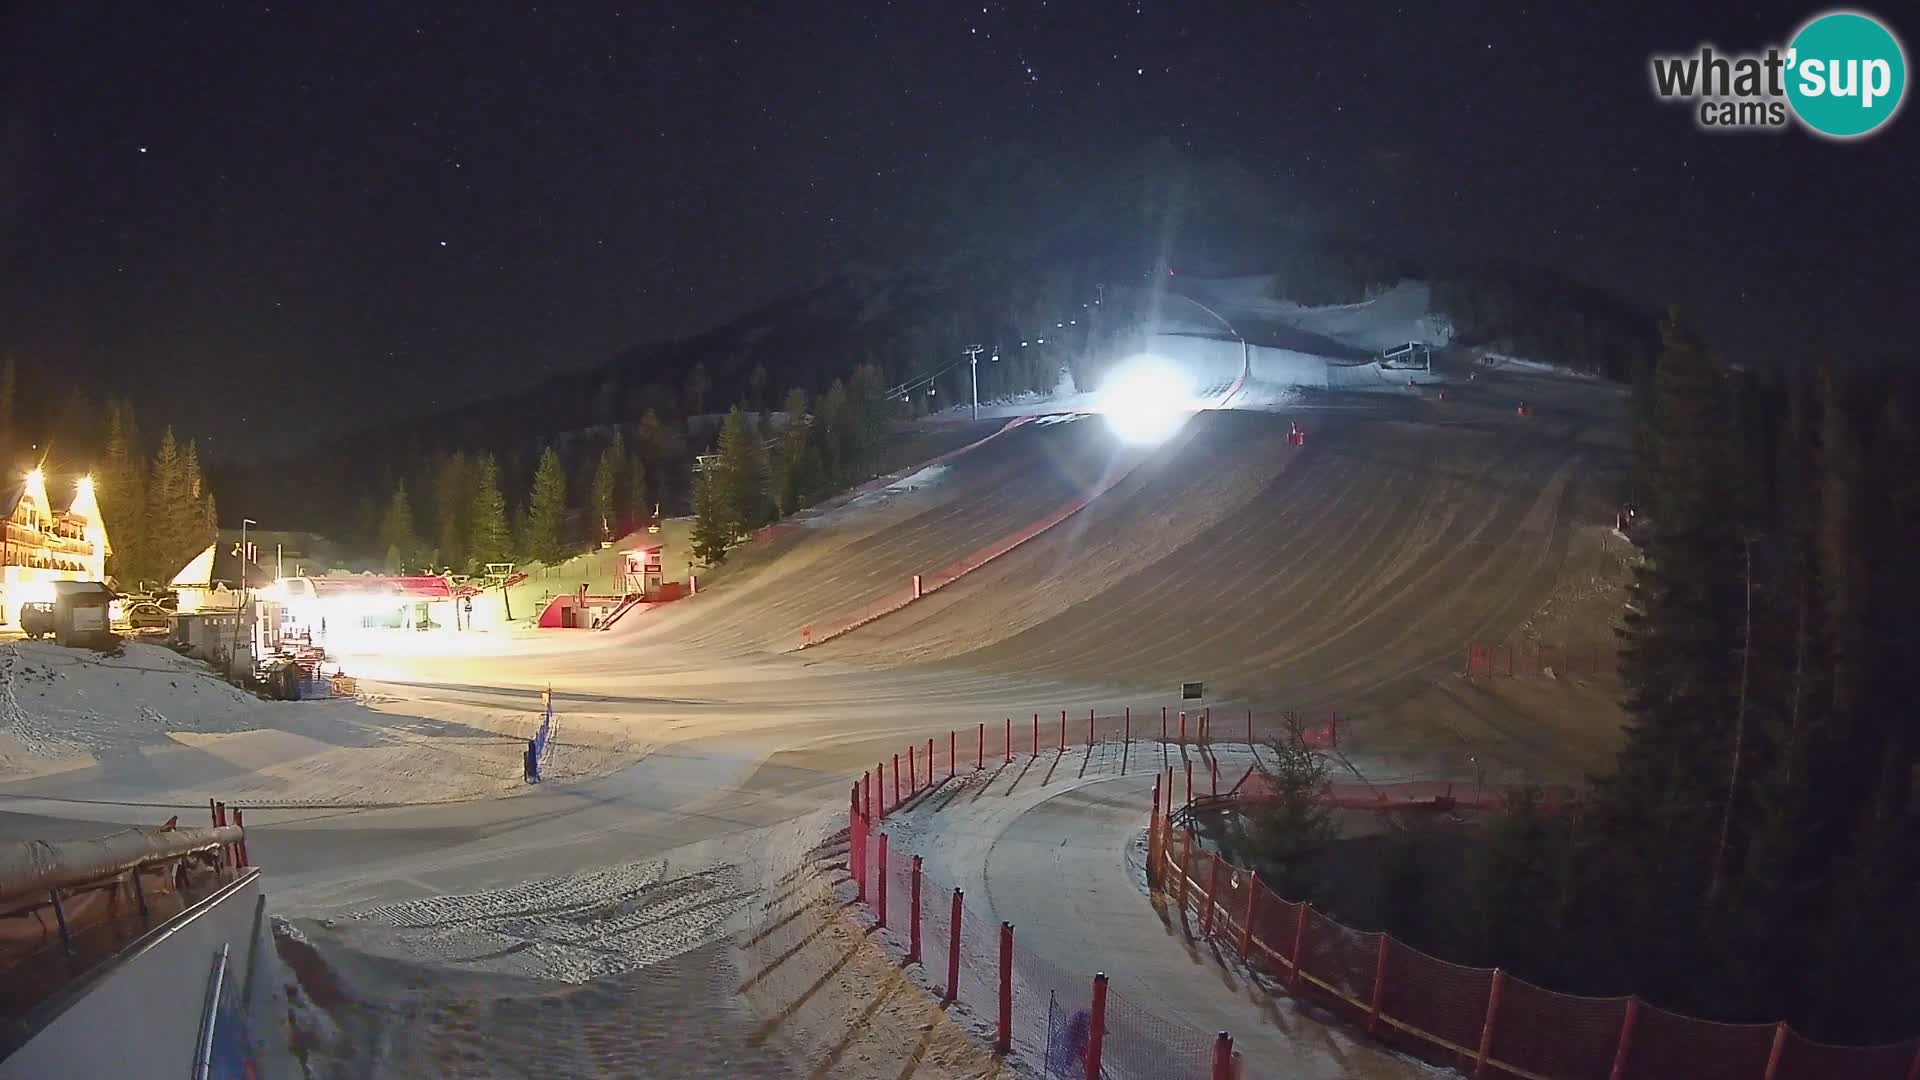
973, 356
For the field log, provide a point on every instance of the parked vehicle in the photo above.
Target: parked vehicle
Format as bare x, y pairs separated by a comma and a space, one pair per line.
148, 616
36, 619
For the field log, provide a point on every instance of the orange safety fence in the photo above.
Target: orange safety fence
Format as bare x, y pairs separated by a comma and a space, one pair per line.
1482, 1021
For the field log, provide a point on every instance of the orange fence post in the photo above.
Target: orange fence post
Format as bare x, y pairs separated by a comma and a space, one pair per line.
1004, 1042
1625, 1046
1779, 1048
1153, 837
1493, 1017
1186, 865
1299, 943
1223, 1057
1097, 1027
953, 952
1246, 929
913, 932
856, 848
1213, 890
881, 890
1379, 985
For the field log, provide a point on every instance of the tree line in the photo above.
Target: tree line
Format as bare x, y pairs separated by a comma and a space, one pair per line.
756, 475
159, 509
1753, 854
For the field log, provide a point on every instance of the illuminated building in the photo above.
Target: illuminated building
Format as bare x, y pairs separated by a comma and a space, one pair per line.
42, 545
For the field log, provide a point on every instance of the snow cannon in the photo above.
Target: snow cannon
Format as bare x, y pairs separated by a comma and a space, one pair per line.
1295, 437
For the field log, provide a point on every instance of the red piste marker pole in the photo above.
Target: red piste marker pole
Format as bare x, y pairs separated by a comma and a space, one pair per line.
240, 822
953, 952
913, 772
856, 853
880, 904
1183, 727
913, 935
896, 781
1003, 1042
1097, 1027
1223, 1057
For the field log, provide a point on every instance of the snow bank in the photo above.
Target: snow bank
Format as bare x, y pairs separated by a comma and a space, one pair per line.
58, 704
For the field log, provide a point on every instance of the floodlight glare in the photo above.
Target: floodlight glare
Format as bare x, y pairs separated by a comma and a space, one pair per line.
1146, 401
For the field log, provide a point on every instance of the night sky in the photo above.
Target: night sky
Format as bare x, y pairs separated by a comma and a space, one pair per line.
370, 208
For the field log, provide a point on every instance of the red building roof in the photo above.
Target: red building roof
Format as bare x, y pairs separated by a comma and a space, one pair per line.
412, 588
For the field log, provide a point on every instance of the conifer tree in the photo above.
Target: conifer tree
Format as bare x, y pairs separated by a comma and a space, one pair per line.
452, 508
545, 538
604, 505
122, 496
489, 539
397, 532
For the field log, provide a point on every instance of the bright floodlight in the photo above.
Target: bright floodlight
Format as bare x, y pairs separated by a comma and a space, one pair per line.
1146, 401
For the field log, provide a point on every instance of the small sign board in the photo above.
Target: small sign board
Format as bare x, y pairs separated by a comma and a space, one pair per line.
1191, 691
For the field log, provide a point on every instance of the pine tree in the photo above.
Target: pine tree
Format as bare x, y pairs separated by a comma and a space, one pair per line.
697, 387
605, 502
9, 387
122, 496
789, 481
656, 442
757, 388
397, 532
452, 508
173, 520
1287, 829
714, 526
488, 537
547, 510
634, 506
742, 476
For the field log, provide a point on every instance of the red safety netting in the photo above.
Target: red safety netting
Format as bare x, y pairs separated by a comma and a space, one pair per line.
1554, 1034
1341, 961
1446, 1004
1666, 1044
1804, 1059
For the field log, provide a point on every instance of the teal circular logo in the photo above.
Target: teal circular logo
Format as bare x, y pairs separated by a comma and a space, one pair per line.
1846, 74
